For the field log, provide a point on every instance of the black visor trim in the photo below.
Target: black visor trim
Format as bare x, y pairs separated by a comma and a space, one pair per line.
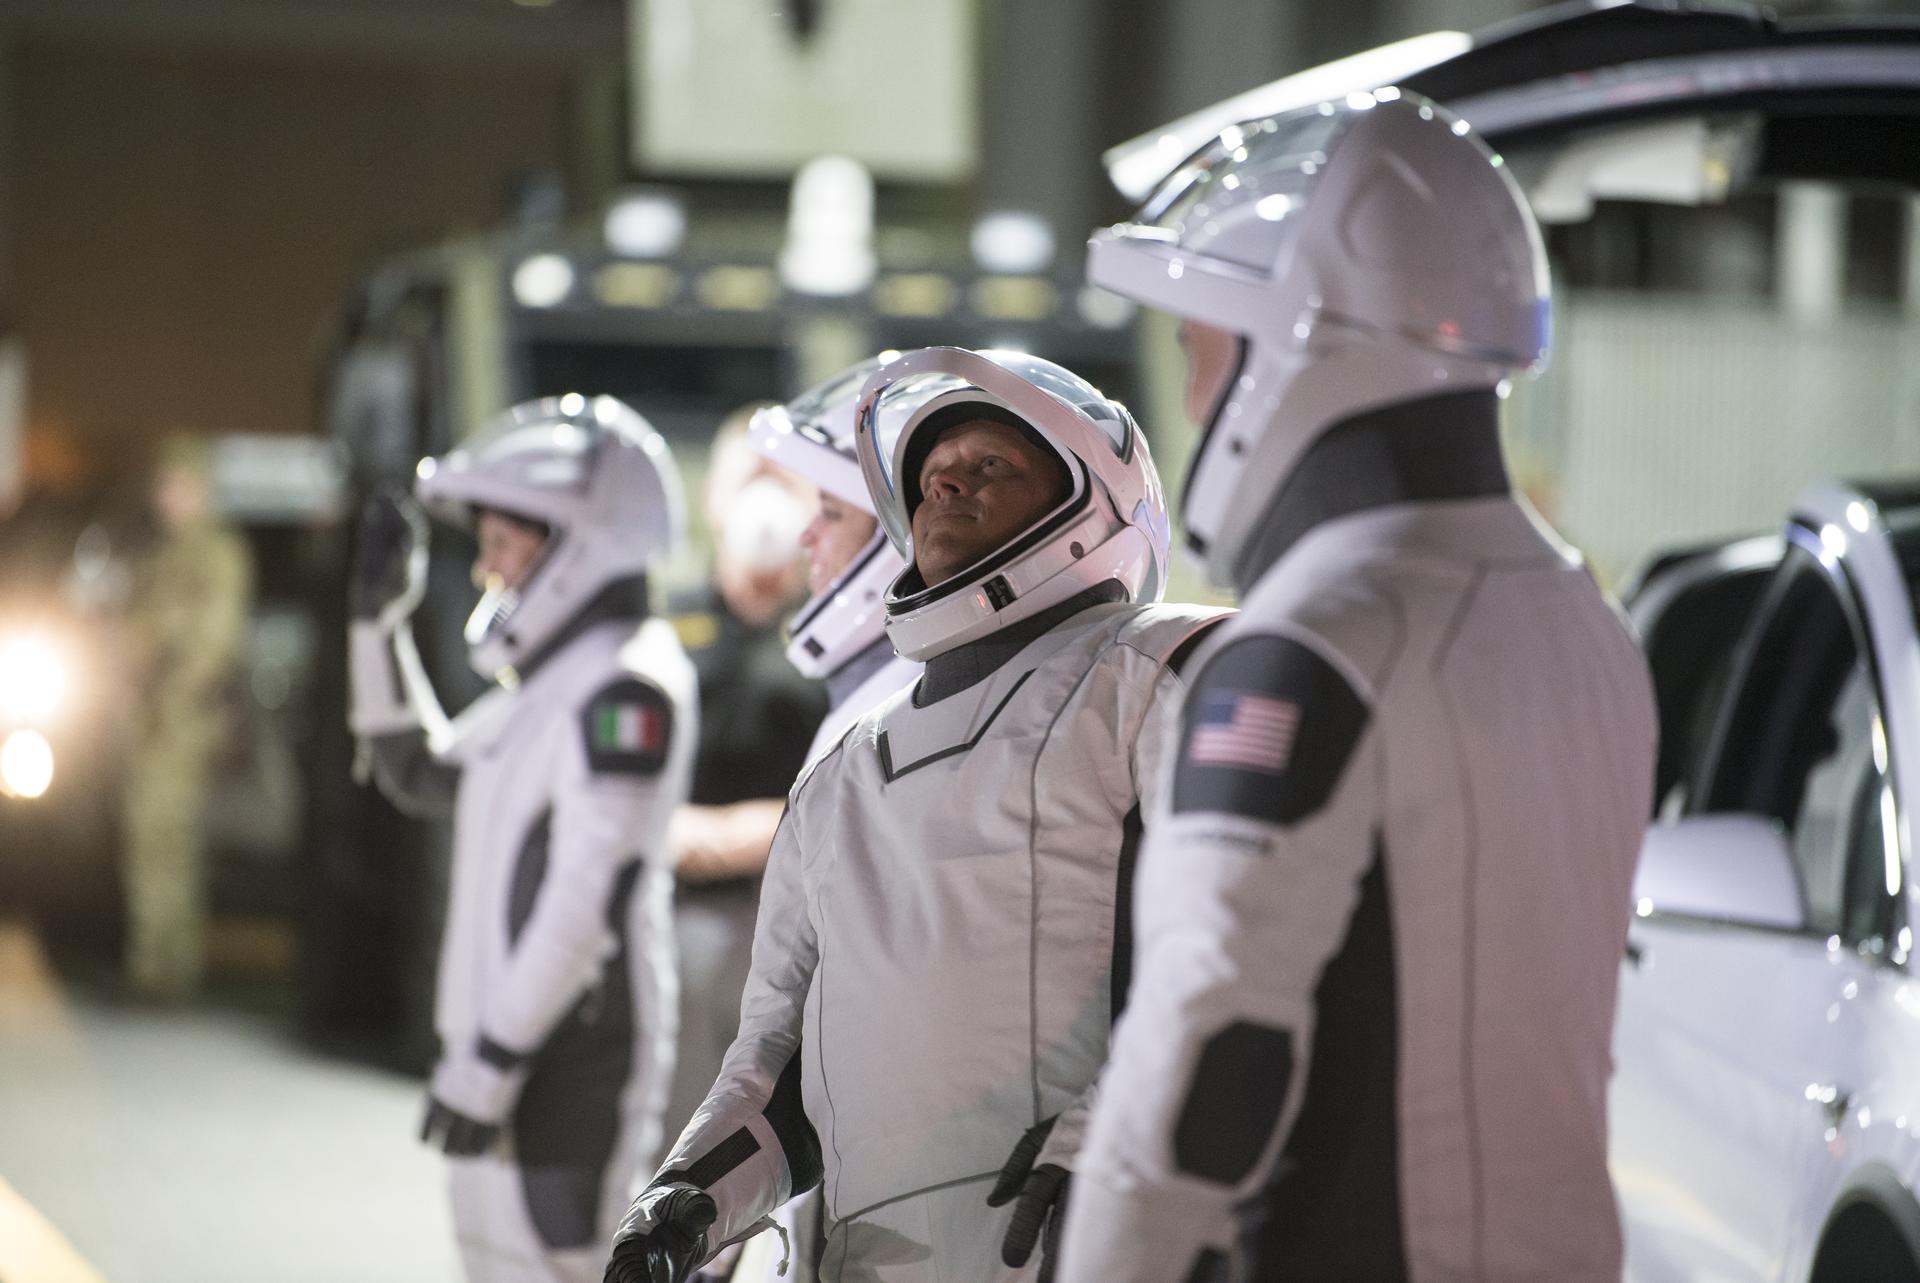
811, 611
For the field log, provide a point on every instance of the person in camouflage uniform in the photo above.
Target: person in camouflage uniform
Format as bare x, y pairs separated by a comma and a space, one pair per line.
186, 622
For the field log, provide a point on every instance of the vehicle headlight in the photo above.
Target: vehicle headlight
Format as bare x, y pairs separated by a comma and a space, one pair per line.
33, 680
26, 764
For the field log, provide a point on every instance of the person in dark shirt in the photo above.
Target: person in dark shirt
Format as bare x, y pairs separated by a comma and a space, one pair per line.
757, 718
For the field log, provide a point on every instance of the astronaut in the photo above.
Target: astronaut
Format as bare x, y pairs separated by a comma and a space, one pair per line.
839, 635
942, 936
1382, 904
555, 1002
757, 720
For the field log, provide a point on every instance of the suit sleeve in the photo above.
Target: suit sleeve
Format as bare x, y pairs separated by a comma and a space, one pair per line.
402, 730
613, 789
750, 1144
1258, 839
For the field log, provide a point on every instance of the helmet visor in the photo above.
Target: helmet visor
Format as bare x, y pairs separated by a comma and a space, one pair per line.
811, 436
1235, 200
529, 462
1239, 197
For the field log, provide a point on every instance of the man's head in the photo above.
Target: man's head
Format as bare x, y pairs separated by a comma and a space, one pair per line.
509, 547
832, 539
572, 500
182, 490
755, 512
1013, 483
1328, 262
981, 483
1213, 357
849, 566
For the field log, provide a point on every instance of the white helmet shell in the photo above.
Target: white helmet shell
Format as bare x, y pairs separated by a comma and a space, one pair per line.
590, 469
812, 437
1367, 252
1112, 526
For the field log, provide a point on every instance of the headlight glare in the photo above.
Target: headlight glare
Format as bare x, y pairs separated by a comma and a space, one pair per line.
33, 680
26, 764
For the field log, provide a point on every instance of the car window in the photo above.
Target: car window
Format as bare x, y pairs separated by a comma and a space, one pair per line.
1796, 743
1691, 616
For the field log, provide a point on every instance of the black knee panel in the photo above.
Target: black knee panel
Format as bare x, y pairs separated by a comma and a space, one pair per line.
1233, 1106
563, 1203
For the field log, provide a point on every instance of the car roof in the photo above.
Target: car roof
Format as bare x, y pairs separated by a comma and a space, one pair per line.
1589, 35
1845, 91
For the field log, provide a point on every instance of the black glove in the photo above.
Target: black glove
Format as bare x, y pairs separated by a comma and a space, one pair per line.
1039, 1198
447, 1129
392, 527
664, 1236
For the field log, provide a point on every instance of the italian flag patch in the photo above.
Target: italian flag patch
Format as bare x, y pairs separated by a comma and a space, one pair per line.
628, 728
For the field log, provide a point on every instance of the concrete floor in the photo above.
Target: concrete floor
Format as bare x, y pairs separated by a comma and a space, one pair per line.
204, 1145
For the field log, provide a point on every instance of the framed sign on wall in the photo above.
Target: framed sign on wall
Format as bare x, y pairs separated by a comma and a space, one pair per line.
755, 88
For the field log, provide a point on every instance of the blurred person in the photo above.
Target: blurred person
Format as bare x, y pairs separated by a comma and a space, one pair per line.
1382, 903
839, 637
555, 999
758, 715
942, 943
186, 624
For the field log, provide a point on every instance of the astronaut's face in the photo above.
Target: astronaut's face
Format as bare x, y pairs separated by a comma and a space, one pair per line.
1213, 354
838, 531
508, 549
982, 484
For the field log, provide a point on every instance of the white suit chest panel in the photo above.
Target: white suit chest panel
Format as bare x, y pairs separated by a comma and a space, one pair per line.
514, 758
960, 863
895, 675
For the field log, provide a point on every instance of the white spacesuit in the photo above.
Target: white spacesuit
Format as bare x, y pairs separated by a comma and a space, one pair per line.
942, 936
556, 998
839, 636
1381, 911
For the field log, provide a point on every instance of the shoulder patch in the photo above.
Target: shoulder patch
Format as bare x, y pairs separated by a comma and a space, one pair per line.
627, 727
1268, 729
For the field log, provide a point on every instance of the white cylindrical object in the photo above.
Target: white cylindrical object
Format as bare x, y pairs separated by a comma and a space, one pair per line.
1910, 258
1810, 250
829, 249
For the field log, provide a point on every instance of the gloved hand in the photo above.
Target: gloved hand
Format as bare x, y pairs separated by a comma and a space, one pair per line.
1035, 1180
452, 1132
664, 1236
390, 559
469, 1098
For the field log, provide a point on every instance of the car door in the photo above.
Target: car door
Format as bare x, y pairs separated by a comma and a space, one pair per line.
1723, 1047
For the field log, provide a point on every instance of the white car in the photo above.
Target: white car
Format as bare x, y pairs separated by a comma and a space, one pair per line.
1766, 1097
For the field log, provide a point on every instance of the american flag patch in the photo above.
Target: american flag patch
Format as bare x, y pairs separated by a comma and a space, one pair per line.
1243, 730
